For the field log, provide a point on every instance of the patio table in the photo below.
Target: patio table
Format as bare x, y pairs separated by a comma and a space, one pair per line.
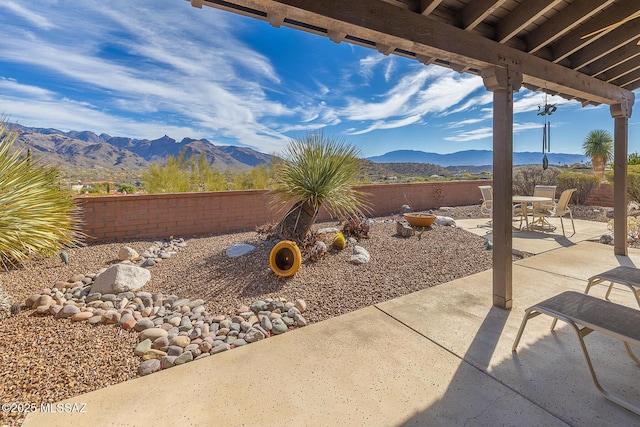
523, 212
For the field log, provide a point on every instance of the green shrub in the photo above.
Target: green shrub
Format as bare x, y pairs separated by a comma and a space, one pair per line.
633, 159
180, 174
525, 178
585, 184
37, 216
633, 182
127, 188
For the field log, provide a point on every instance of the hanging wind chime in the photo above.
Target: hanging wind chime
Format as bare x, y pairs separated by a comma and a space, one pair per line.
546, 111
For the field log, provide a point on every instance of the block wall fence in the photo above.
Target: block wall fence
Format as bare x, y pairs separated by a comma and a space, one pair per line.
188, 214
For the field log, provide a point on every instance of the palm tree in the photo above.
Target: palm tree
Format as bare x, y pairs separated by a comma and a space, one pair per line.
36, 216
316, 171
598, 146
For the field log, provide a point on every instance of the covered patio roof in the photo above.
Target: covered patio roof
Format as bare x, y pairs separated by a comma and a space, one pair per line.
545, 39
585, 50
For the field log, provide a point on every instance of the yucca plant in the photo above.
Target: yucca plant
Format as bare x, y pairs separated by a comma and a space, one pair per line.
36, 216
599, 146
315, 171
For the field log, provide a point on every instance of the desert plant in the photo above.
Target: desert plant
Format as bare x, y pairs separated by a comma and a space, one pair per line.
38, 217
127, 188
167, 178
316, 171
633, 159
599, 146
585, 184
525, 178
633, 182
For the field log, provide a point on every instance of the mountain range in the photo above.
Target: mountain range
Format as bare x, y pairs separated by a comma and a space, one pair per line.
88, 150
475, 158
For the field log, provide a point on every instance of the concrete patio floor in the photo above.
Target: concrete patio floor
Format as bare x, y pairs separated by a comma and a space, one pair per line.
536, 242
441, 356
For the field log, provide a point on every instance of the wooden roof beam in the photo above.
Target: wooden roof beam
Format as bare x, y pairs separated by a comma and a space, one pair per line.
628, 79
606, 45
381, 22
520, 17
428, 6
336, 36
563, 22
628, 51
573, 42
622, 69
385, 49
476, 11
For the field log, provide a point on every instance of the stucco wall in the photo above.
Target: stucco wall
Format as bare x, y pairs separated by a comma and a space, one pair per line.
188, 214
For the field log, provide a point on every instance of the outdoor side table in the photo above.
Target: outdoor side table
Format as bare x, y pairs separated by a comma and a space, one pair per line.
627, 276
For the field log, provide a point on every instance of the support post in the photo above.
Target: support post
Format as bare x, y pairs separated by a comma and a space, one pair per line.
502, 82
621, 114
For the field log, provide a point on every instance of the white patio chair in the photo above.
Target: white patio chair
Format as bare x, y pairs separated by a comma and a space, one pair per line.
487, 200
562, 208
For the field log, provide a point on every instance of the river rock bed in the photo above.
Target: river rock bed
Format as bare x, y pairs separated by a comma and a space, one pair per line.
171, 330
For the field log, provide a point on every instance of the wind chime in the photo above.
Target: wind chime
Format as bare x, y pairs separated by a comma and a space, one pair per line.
546, 111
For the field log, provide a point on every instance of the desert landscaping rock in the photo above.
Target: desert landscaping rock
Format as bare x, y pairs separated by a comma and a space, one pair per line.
360, 255
149, 366
127, 253
121, 278
239, 250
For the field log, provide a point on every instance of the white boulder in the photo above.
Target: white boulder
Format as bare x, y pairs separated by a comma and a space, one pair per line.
360, 255
121, 278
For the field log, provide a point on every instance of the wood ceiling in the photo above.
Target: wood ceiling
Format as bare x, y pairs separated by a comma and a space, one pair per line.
543, 39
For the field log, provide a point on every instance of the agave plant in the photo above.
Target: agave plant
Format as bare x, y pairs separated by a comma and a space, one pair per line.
36, 216
316, 171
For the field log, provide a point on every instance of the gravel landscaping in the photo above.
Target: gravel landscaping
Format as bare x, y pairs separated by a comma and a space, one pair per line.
44, 360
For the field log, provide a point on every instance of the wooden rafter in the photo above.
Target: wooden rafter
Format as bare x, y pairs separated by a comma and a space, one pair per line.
612, 41
575, 40
476, 11
556, 27
521, 17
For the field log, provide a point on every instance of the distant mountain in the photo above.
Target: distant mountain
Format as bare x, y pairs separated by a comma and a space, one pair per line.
474, 158
87, 150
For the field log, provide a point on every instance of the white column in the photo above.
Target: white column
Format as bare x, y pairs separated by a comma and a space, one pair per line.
502, 82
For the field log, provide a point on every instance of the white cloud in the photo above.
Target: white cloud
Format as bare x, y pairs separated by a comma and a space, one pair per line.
388, 125
487, 132
22, 12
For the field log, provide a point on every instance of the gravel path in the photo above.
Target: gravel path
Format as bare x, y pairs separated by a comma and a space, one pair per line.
43, 360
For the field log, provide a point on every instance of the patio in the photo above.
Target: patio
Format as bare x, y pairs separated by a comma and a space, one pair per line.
441, 356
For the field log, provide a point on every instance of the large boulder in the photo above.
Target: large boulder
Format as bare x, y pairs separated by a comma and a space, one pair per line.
121, 278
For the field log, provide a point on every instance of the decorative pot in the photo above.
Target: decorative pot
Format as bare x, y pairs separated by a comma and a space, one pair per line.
419, 219
285, 258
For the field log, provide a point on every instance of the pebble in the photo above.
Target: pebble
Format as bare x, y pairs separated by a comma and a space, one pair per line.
143, 347
83, 315
180, 340
185, 357
143, 324
149, 366
153, 333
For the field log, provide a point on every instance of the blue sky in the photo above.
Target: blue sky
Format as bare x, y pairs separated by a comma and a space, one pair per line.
146, 68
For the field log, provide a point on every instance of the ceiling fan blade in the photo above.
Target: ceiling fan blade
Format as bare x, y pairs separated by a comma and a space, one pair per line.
612, 26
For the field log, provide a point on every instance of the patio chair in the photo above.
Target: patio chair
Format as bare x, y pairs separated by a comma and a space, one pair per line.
561, 209
544, 191
487, 200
